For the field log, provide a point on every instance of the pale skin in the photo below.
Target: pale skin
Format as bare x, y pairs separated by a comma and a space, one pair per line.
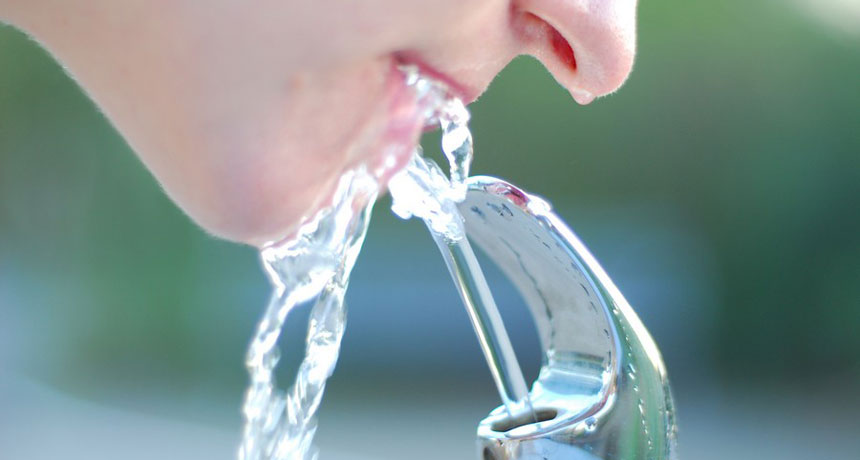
248, 112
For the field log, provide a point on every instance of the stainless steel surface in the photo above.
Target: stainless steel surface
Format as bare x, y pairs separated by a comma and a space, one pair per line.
602, 392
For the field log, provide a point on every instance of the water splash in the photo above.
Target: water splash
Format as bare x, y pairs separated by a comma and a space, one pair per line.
439, 106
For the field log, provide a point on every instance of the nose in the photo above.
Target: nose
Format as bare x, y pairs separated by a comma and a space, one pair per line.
588, 45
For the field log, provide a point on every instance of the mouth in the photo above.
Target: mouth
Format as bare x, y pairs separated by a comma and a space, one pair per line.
389, 146
459, 89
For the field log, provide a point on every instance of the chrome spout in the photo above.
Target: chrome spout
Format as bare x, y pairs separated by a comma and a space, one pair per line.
602, 391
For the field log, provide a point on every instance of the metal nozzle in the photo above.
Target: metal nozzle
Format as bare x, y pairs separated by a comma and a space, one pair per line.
602, 392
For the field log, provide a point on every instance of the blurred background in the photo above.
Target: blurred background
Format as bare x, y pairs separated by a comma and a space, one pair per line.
720, 188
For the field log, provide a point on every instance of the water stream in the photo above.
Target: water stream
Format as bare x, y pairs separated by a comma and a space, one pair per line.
313, 267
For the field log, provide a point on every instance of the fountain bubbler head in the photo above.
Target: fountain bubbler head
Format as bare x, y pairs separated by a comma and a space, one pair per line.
602, 391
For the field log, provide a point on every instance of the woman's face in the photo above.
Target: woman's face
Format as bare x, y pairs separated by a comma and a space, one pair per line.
247, 112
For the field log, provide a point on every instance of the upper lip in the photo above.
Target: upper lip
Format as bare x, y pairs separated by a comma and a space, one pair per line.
459, 89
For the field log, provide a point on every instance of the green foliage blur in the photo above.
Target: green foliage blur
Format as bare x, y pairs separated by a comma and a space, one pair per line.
741, 121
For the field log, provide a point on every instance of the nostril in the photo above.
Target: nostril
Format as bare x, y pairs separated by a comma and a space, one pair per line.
536, 30
562, 49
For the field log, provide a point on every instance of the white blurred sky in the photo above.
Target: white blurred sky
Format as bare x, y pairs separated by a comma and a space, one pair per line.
840, 15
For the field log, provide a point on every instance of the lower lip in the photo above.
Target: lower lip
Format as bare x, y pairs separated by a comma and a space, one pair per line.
401, 130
